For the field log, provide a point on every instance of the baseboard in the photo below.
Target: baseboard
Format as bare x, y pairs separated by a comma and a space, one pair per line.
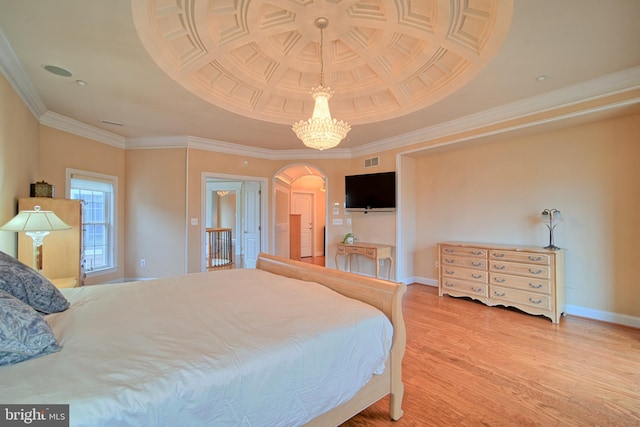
420, 280
605, 316
574, 310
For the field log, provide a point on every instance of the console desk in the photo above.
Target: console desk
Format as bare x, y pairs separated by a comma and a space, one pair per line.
369, 250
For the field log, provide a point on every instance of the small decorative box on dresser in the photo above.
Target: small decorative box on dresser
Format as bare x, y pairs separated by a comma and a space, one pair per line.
526, 277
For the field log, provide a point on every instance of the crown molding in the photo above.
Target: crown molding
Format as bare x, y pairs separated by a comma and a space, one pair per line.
611, 84
16, 76
64, 123
263, 153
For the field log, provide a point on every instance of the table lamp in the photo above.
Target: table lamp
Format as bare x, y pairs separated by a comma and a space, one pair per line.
36, 224
551, 217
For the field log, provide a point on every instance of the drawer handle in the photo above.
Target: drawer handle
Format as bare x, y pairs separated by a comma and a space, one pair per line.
538, 286
475, 264
449, 250
476, 276
477, 290
536, 271
500, 280
497, 255
535, 301
448, 260
499, 267
450, 271
535, 258
499, 295
449, 284
476, 252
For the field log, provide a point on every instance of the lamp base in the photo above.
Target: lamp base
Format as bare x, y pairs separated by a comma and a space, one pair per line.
552, 247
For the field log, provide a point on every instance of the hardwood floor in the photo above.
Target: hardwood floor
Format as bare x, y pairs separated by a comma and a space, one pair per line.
471, 365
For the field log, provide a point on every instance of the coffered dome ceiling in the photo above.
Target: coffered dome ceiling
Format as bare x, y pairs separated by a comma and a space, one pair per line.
383, 58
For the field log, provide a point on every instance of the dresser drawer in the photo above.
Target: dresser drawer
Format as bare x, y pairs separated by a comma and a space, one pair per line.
476, 263
518, 256
528, 270
472, 289
464, 273
532, 284
370, 252
464, 251
508, 295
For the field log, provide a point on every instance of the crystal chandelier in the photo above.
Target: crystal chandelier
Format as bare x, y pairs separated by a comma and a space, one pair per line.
321, 131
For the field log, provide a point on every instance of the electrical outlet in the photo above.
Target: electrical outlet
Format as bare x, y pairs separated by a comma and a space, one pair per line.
143, 262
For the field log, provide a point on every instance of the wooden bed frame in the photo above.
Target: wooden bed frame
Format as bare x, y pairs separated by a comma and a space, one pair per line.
385, 296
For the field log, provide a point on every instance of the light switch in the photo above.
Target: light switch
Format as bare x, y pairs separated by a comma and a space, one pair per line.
337, 221
194, 221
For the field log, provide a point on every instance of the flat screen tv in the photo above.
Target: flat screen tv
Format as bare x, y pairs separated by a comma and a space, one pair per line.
370, 192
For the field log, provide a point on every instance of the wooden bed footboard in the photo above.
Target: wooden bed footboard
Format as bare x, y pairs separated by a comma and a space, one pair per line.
385, 296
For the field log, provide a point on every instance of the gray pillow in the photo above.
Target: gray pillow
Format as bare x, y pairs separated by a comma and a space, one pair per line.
29, 286
24, 334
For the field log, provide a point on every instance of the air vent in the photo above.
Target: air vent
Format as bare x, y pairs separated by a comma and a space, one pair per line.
373, 161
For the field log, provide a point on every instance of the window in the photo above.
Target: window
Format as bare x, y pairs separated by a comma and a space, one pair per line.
97, 193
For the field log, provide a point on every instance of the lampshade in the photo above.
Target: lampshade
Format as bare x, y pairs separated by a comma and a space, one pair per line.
35, 220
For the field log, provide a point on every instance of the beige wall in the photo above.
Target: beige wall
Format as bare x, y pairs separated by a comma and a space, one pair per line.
485, 192
18, 158
493, 192
60, 150
155, 212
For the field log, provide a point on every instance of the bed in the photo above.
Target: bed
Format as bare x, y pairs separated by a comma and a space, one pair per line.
275, 345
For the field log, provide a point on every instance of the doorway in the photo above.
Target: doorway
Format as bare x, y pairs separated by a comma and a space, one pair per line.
300, 190
236, 203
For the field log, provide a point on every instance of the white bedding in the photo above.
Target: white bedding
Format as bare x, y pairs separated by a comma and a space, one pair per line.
226, 348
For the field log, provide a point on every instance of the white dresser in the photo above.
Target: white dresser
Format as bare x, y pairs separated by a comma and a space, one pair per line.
526, 277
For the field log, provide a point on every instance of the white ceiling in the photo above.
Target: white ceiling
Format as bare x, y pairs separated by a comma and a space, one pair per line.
158, 86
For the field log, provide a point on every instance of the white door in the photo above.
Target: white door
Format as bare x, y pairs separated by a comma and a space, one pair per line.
251, 222
302, 203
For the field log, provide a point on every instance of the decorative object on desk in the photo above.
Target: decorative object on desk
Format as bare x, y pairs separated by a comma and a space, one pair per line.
551, 217
349, 238
36, 224
321, 131
41, 189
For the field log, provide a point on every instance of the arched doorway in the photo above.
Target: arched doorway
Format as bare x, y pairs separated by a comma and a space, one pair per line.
300, 212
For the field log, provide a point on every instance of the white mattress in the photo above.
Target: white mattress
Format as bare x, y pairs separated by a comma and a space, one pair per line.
225, 348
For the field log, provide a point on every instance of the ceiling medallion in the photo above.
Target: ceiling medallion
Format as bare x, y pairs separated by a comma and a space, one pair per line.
321, 132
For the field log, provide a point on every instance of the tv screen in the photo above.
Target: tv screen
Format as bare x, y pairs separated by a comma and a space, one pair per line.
375, 191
